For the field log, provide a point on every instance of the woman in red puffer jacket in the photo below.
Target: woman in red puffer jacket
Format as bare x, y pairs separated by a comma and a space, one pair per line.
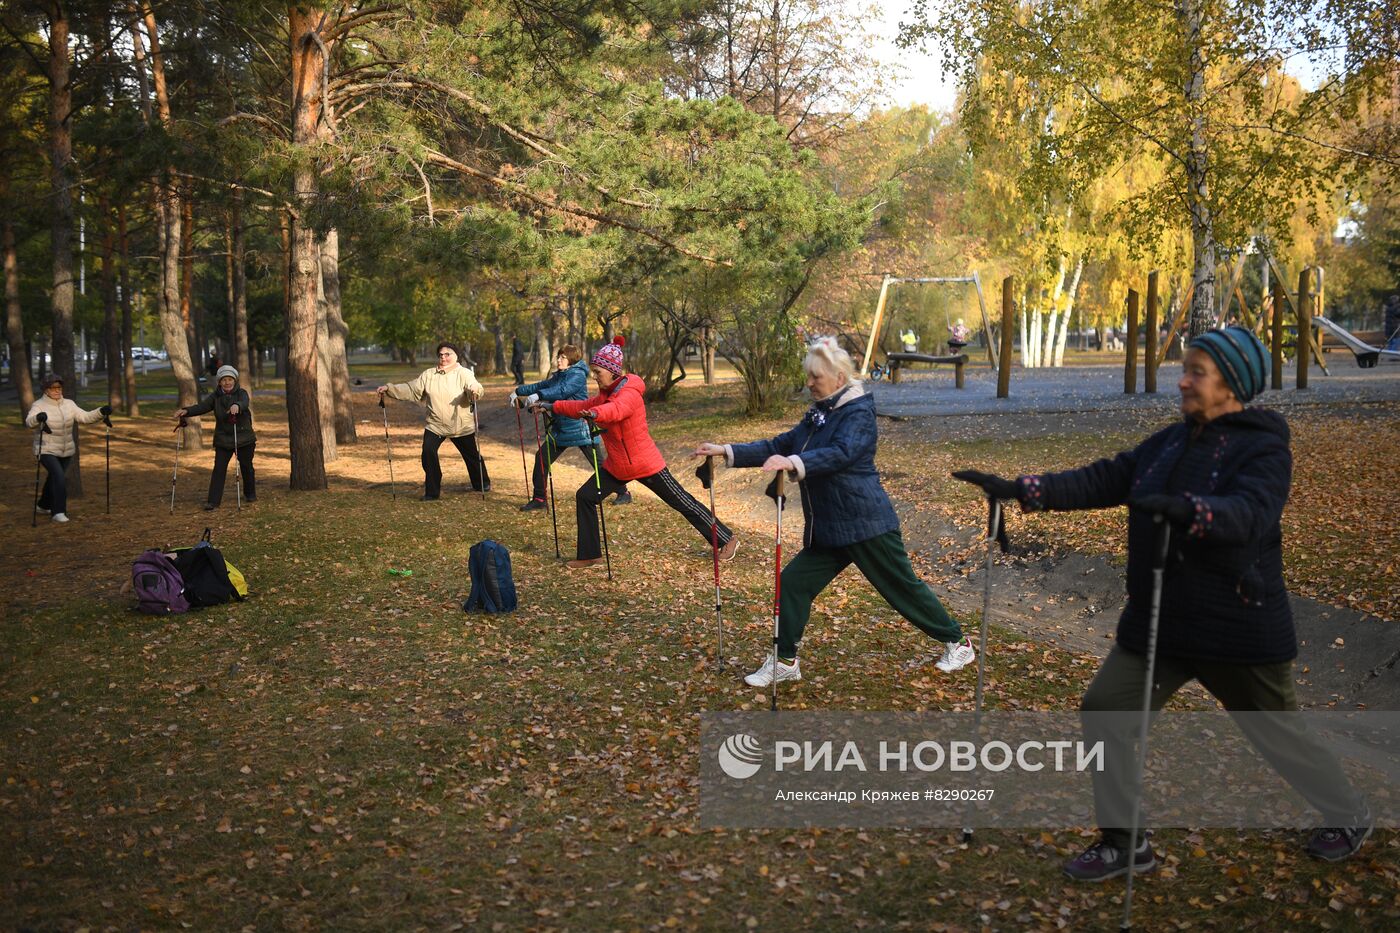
618, 409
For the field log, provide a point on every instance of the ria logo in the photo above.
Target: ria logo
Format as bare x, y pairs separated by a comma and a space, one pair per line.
740, 756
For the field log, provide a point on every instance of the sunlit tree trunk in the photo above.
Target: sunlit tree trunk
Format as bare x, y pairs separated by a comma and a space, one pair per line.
1203, 250
168, 242
308, 56
338, 335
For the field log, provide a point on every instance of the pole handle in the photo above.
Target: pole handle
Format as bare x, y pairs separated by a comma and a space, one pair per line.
781, 485
1162, 534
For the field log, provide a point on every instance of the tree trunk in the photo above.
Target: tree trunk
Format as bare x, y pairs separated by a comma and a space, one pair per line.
339, 334
128, 363
242, 356
14, 322
60, 128
303, 405
542, 349
172, 326
193, 333
1069, 310
325, 397
1197, 166
111, 336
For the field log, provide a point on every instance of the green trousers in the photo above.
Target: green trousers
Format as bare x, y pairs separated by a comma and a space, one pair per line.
1283, 740
885, 564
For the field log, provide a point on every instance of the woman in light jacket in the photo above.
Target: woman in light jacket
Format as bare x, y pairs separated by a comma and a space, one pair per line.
54, 446
450, 392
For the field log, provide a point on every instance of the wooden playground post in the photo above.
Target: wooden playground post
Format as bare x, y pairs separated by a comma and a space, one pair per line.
1130, 362
875, 327
1304, 313
1276, 333
1149, 359
1008, 327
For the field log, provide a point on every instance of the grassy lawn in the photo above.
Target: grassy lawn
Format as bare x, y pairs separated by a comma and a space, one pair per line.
347, 749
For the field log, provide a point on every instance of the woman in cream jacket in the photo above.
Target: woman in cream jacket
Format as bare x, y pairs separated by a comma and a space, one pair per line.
450, 392
54, 446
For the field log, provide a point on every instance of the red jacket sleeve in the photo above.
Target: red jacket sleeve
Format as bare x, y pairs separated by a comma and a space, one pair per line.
624, 404
571, 408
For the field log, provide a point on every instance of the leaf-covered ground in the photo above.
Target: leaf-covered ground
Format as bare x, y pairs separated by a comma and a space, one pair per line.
347, 749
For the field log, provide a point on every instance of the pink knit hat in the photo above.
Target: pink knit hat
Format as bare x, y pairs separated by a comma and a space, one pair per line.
609, 356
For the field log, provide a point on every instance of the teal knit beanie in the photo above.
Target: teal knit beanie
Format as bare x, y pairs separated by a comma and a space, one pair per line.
1240, 357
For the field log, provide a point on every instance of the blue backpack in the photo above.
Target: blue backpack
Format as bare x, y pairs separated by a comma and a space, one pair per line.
493, 587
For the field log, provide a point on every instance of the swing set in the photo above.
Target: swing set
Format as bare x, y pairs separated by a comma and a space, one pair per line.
894, 361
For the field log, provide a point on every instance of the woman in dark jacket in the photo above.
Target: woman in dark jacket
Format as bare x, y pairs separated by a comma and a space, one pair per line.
849, 519
233, 434
568, 381
1220, 477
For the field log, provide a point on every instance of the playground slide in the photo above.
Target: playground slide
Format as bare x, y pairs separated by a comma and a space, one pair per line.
1366, 355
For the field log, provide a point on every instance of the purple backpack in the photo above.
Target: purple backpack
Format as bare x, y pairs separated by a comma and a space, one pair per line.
159, 589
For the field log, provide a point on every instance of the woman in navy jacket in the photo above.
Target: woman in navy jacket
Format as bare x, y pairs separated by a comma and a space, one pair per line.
568, 381
848, 516
1220, 477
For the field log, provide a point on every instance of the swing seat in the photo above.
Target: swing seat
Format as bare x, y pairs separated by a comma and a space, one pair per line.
897, 361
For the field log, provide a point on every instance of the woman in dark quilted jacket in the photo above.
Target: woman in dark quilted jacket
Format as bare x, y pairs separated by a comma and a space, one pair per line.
849, 518
233, 435
1220, 478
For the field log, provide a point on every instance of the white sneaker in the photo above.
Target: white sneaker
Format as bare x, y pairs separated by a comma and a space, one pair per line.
41, 510
763, 677
957, 655
60, 517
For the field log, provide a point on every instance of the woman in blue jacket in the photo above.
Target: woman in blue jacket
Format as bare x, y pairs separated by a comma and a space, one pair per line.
1220, 478
849, 519
569, 381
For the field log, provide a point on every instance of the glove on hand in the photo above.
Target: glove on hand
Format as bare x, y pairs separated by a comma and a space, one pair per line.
991, 484
704, 473
1176, 509
106, 410
42, 417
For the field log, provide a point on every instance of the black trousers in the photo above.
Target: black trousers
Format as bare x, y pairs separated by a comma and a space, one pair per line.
592, 493
545, 456
55, 494
432, 468
517, 368
222, 455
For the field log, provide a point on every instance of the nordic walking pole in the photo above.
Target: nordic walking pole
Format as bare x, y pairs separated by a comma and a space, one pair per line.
107, 420
553, 502
175, 476
38, 461
476, 439
393, 494
237, 465
993, 527
780, 483
598, 485
520, 431
1162, 539
714, 549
